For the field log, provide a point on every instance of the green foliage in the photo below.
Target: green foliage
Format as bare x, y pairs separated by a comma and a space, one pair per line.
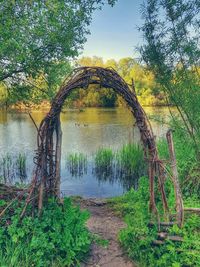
126, 164
3, 94
100, 241
6, 167
58, 238
188, 166
146, 88
172, 53
39, 38
137, 237
41, 87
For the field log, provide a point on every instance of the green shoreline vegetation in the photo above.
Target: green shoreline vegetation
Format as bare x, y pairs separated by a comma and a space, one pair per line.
40, 41
58, 237
136, 238
148, 91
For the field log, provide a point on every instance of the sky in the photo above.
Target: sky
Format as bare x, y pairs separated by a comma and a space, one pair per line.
114, 31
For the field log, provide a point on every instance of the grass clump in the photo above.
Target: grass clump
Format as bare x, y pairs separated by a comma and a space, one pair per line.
104, 159
58, 237
77, 164
7, 168
125, 165
130, 164
13, 168
21, 167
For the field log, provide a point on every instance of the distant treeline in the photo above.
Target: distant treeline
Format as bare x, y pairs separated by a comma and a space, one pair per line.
148, 91
37, 90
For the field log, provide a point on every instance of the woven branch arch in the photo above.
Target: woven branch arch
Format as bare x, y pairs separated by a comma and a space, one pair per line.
46, 179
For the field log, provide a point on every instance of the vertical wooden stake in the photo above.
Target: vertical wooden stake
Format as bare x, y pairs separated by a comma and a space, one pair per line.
152, 204
42, 183
179, 201
58, 156
162, 189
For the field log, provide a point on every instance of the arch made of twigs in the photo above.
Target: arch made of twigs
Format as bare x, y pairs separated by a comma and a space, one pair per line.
46, 180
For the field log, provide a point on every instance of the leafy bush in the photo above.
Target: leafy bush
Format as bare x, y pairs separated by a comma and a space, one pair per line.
58, 237
137, 237
187, 163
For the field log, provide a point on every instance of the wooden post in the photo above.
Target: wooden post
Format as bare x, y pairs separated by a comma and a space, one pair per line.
162, 189
179, 201
58, 157
42, 184
152, 204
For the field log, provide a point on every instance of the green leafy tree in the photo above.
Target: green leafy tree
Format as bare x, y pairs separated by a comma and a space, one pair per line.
94, 97
148, 91
172, 52
41, 36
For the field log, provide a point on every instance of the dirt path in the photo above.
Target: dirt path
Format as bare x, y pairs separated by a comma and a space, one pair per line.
104, 223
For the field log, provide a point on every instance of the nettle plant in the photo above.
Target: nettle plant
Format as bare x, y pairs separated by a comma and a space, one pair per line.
58, 237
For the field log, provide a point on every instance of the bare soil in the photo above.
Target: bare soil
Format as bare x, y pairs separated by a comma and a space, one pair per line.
106, 225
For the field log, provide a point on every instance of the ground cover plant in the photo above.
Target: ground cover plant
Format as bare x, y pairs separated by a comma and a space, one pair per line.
58, 237
137, 238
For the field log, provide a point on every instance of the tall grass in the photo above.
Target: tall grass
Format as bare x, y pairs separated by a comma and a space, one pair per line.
13, 168
77, 164
21, 167
130, 164
7, 168
125, 165
104, 159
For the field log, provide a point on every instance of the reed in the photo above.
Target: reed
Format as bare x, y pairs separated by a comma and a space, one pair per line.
7, 168
21, 167
130, 165
13, 168
77, 164
104, 163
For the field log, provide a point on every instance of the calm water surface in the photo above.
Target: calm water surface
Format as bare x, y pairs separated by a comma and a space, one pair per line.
84, 132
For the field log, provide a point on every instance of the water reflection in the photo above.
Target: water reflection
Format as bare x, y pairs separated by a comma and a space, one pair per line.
83, 132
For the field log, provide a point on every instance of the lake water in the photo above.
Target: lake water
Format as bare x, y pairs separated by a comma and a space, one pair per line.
83, 132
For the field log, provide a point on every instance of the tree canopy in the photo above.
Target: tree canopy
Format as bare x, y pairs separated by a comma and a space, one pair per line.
146, 88
171, 50
40, 37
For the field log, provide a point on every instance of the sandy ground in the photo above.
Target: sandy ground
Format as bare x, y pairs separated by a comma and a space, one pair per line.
105, 224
